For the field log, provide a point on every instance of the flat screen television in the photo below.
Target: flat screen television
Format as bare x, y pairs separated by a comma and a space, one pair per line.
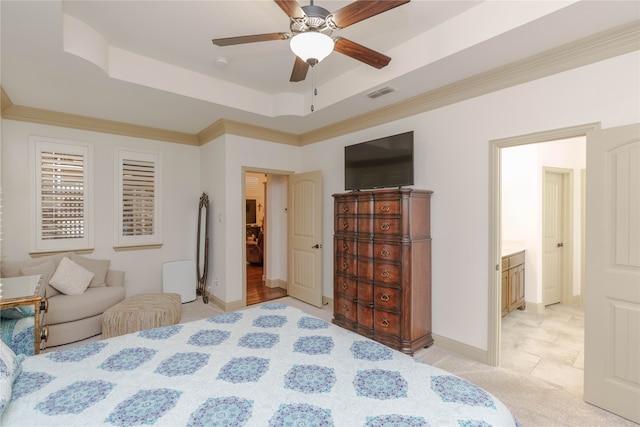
379, 163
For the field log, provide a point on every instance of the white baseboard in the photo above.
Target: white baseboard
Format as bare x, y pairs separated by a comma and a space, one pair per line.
275, 283
226, 306
327, 301
576, 300
463, 349
535, 307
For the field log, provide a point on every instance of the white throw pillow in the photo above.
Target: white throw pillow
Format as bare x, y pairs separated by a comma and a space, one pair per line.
70, 278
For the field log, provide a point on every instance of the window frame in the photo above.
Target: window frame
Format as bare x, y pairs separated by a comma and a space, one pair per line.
128, 241
38, 145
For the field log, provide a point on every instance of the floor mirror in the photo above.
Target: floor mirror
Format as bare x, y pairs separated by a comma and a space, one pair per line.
202, 254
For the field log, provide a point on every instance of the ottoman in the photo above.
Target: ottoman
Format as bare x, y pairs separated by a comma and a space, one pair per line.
140, 312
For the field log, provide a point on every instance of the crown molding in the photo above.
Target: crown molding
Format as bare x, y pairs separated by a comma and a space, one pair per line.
605, 45
231, 127
598, 47
54, 118
5, 101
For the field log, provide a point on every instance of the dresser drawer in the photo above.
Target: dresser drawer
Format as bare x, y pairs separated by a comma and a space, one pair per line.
386, 298
365, 316
387, 227
365, 225
365, 268
345, 265
345, 246
365, 206
345, 224
386, 323
386, 273
365, 292
387, 251
345, 308
346, 286
365, 249
387, 207
344, 207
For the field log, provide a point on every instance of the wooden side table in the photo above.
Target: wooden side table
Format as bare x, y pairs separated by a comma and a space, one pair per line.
23, 291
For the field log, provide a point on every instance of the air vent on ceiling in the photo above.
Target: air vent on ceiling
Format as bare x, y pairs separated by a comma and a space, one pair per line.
381, 92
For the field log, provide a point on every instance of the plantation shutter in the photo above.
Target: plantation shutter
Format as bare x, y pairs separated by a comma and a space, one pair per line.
138, 197
62, 196
60, 186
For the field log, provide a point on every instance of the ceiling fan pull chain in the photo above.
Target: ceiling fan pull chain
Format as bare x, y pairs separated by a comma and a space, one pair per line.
314, 90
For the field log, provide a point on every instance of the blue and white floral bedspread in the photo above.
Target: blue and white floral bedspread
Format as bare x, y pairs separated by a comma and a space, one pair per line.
270, 365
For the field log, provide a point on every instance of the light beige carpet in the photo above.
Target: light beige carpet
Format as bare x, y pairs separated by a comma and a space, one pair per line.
533, 401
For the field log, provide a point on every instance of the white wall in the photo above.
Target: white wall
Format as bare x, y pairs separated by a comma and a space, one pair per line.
212, 181
452, 159
522, 178
235, 153
521, 210
179, 200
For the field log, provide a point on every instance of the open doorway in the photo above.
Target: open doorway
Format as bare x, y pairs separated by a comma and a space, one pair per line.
539, 214
543, 341
265, 209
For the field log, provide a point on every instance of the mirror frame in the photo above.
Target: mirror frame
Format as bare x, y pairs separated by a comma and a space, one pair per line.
202, 267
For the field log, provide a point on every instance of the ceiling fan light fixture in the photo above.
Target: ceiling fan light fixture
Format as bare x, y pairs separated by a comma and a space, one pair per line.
311, 46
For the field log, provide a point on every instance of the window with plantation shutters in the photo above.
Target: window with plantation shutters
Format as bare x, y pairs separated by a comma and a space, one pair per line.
60, 188
138, 198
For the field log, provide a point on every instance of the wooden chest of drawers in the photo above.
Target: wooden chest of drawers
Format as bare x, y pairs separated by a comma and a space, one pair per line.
382, 266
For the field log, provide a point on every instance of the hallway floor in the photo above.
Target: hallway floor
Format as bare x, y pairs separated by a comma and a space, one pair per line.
257, 291
549, 346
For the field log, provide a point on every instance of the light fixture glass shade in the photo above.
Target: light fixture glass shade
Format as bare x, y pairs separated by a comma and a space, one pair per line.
311, 46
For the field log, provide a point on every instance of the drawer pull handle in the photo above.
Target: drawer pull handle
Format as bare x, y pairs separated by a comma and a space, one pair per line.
344, 286
345, 265
385, 322
345, 247
345, 225
345, 209
384, 297
385, 226
386, 274
385, 252
345, 308
385, 207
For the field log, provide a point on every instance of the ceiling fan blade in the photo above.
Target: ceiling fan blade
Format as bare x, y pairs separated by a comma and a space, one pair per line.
228, 41
362, 9
361, 53
299, 72
291, 8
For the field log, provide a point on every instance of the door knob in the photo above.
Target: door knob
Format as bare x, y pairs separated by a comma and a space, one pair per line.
316, 246
560, 245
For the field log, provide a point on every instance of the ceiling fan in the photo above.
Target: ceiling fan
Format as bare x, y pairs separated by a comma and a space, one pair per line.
311, 27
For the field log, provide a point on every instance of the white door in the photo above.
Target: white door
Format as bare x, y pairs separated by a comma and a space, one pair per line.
305, 237
612, 297
553, 238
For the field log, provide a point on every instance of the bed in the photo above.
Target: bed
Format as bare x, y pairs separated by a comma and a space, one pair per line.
269, 365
